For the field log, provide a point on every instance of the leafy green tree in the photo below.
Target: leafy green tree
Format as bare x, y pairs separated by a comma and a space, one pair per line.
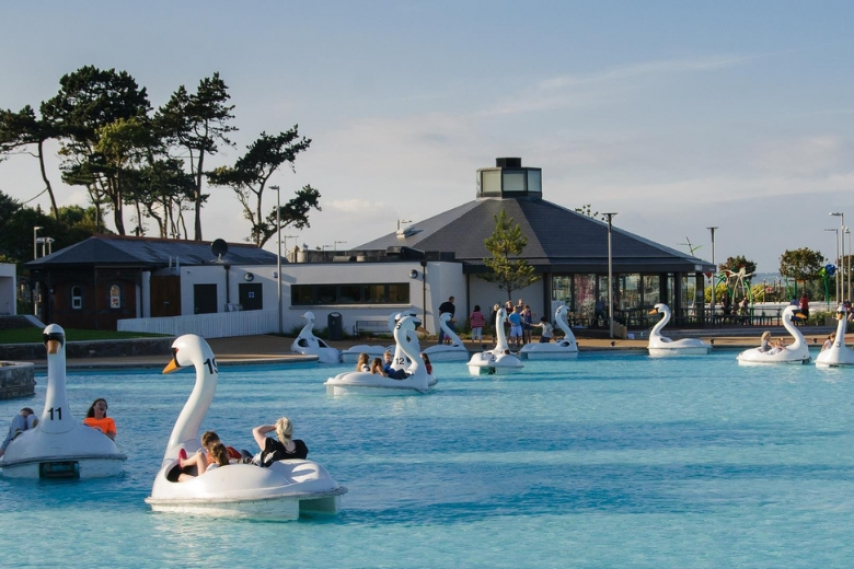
22, 129
295, 213
735, 264
198, 123
801, 264
249, 176
505, 242
93, 104
160, 190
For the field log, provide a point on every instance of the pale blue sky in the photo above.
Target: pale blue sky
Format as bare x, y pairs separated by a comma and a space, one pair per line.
677, 115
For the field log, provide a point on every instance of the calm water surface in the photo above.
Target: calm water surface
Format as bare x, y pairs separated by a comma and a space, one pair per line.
613, 460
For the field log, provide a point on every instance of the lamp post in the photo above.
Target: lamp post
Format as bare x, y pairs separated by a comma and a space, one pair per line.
610, 216
848, 261
838, 272
714, 274
279, 254
841, 216
335, 245
36, 241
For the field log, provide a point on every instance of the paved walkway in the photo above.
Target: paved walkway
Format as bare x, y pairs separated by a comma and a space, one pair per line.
274, 349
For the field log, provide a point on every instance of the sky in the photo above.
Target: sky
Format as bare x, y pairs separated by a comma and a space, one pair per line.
678, 116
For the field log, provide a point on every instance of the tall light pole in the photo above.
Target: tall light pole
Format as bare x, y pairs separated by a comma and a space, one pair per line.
36, 241
838, 260
279, 255
841, 216
610, 216
714, 273
848, 261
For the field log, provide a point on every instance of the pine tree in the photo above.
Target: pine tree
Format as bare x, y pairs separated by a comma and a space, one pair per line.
507, 240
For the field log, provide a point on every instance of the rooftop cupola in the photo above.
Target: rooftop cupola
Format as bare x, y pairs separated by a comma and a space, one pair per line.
509, 180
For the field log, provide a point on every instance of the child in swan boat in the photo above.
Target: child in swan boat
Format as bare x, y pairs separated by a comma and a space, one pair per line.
377, 366
280, 448
362, 363
200, 461
96, 417
389, 371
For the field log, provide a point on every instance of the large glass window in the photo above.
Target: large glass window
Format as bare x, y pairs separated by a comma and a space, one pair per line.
630, 291
514, 182
584, 287
535, 181
651, 291
387, 293
491, 183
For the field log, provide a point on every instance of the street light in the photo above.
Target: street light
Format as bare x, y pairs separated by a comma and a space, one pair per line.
714, 274
848, 262
35, 241
841, 216
335, 245
279, 255
837, 260
610, 275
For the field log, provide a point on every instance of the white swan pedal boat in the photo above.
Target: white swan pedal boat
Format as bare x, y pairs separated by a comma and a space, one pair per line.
407, 357
306, 343
498, 360
60, 446
663, 346
566, 348
838, 354
796, 353
453, 352
281, 491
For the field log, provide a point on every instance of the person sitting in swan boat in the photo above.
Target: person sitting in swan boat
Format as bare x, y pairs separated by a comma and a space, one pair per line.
377, 367
283, 446
828, 343
362, 363
23, 421
199, 460
389, 371
96, 417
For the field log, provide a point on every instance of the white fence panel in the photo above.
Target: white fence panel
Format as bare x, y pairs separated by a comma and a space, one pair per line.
221, 325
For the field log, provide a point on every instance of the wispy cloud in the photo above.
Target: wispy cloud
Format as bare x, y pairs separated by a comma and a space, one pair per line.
584, 89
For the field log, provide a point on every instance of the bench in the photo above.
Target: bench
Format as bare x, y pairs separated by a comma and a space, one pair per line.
371, 327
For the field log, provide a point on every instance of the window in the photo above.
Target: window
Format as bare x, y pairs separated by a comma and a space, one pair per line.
387, 293
115, 296
76, 298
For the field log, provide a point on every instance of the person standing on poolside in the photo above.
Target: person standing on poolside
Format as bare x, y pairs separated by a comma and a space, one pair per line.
447, 307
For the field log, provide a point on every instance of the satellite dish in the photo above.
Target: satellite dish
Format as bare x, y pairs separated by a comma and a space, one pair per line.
219, 248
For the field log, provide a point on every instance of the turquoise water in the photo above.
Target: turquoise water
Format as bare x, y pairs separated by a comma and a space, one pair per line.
613, 460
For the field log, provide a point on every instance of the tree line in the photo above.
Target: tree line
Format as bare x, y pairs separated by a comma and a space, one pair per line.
153, 162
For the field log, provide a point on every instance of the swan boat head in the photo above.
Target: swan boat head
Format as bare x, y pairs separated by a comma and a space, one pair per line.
456, 351
560, 349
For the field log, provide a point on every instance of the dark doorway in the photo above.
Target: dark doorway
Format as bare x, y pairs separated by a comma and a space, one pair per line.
165, 296
204, 299
250, 296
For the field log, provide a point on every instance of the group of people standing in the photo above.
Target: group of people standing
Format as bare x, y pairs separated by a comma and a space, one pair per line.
519, 323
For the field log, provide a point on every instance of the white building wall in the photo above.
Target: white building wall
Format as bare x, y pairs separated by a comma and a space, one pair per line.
8, 286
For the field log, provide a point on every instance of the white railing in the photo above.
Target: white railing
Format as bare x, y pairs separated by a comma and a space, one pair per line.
221, 325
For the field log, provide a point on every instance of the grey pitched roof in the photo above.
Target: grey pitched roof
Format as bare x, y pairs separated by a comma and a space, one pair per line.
559, 239
127, 251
